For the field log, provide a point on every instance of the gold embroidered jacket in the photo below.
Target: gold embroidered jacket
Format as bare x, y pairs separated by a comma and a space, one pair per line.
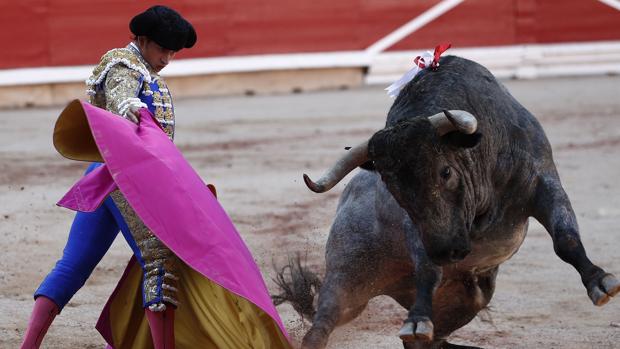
123, 75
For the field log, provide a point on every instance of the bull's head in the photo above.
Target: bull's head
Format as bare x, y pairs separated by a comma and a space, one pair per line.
423, 165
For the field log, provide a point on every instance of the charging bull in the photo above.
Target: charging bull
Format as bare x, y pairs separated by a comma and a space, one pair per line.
444, 198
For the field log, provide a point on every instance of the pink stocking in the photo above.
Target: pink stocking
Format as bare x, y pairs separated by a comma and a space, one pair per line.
161, 324
43, 313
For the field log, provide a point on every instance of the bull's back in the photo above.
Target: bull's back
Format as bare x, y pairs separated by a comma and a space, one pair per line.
461, 84
458, 83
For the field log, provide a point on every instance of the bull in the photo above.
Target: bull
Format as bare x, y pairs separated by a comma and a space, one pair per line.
444, 198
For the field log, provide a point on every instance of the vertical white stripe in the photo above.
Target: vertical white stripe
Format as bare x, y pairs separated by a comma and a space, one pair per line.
413, 25
613, 3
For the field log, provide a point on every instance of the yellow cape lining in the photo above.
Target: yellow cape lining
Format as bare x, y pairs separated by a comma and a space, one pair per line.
209, 316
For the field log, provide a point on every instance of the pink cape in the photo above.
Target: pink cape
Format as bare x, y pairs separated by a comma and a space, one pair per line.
164, 190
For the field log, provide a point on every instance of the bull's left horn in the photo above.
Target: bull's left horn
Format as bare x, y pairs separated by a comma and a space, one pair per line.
353, 158
454, 120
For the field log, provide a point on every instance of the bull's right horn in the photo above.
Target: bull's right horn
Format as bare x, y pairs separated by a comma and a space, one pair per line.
352, 159
454, 120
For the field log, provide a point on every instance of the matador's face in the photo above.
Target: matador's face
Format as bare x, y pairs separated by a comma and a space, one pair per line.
156, 56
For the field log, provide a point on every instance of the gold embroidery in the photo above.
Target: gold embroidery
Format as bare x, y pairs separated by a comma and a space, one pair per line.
168, 114
146, 89
113, 57
121, 83
157, 103
159, 280
116, 78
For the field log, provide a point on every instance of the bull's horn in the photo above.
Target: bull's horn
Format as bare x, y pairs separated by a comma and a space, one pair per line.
353, 158
454, 120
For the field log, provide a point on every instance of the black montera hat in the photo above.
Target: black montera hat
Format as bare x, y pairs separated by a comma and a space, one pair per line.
165, 26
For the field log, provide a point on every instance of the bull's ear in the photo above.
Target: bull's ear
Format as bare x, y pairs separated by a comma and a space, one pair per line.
461, 140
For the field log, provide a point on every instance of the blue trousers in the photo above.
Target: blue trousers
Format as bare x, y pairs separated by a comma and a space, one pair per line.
90, 237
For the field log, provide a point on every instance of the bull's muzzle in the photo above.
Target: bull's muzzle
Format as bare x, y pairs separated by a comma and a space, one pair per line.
451, 253
458, 254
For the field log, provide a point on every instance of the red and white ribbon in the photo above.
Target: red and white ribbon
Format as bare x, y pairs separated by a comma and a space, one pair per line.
426, 60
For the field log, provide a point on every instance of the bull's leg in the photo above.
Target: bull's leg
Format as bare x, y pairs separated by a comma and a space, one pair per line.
456, 303
338, 303
553, 210
418, 325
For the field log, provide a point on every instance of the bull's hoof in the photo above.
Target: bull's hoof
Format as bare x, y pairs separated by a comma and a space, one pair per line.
416, 331
447, 345
607, 287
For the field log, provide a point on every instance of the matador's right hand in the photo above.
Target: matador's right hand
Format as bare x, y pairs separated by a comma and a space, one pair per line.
132, 114
129, 109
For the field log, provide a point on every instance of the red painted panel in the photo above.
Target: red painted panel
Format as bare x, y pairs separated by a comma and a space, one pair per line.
472, 23
73, 32
77, 31
525, 20
489, 23
583, 20
322, 25
383, 17
23, 33
287, 26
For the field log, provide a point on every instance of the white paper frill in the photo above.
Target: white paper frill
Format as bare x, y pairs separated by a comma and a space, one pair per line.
425, 61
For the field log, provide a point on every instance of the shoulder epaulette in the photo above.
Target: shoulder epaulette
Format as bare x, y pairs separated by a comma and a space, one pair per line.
113, 57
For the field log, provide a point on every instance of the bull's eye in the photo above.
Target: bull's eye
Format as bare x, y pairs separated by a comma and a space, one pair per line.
445, 173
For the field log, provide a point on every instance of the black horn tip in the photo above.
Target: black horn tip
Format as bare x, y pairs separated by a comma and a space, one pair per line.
448, 114
313, 186
464, 121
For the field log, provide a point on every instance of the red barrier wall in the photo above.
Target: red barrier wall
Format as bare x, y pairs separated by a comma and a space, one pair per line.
491, 22
73, 32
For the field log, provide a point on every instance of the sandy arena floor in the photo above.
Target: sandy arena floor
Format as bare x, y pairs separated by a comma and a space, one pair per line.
254, 149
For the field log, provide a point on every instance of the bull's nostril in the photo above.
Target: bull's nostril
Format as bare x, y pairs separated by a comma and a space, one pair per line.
458, 254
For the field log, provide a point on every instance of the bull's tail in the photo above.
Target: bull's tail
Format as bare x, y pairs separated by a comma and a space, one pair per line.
298, 286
